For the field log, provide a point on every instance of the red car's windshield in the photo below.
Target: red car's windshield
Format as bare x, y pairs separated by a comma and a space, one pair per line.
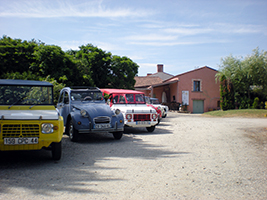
128, 99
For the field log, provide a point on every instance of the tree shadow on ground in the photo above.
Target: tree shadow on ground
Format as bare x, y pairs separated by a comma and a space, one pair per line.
76, 172
158, 130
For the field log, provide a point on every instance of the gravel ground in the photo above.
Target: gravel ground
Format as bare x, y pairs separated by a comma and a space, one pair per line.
187, 157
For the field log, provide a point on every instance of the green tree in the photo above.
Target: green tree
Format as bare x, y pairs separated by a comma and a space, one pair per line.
226, 94
50, 60
83, 67
248, 77
256, 69
101, 69
89, 66
15, 55
57, 87
123, 72
95, 63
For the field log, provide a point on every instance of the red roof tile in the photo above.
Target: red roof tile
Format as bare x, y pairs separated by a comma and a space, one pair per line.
144, 81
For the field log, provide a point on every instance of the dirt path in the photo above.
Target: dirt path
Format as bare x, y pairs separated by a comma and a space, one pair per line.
186, 157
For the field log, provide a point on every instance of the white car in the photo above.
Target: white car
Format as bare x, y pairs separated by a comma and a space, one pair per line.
155, 102
133, 106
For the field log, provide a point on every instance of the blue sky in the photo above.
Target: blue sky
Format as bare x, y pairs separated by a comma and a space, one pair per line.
181, 34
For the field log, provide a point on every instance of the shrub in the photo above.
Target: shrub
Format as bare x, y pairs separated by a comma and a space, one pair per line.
255, 104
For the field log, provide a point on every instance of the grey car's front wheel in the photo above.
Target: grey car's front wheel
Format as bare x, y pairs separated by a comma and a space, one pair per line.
117, 135
73, 133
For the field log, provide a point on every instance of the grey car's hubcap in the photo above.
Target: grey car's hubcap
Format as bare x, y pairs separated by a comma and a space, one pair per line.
71, 130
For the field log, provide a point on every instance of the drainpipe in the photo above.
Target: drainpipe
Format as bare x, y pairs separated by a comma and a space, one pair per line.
177, 92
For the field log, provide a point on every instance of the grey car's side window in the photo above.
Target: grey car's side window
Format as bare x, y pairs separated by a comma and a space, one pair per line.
66, 98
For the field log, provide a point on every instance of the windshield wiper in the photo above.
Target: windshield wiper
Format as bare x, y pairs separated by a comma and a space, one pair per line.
32, 106
16, 102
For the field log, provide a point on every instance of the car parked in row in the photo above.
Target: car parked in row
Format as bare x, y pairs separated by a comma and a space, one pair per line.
133, 107
28, 117
84, 111
155, 102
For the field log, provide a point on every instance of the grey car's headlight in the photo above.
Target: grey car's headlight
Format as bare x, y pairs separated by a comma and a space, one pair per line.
83, 113
47, 128
117, 111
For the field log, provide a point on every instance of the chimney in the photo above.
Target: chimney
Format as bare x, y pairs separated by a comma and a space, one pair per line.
160, 67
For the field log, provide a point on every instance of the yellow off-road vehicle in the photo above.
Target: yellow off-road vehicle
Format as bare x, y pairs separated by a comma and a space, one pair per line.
28, 117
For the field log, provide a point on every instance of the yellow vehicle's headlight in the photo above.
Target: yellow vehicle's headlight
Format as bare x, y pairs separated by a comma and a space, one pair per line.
47, 128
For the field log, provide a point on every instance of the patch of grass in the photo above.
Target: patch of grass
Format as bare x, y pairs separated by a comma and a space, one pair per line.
253, 113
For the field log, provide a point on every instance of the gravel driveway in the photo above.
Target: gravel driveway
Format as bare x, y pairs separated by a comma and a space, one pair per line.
187, 157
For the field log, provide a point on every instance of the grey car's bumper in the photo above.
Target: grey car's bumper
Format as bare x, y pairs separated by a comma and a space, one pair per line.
100, 130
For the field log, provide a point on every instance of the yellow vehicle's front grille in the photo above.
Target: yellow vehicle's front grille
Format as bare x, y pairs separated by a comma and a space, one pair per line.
20, 130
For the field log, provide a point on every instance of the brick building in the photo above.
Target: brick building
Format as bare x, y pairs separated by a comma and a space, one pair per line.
196, 90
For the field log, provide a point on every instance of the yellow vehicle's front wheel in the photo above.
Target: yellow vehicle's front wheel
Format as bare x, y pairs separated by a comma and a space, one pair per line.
56, 150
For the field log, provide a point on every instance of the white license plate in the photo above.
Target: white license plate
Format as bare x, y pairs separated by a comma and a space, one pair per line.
14, 141
100, 126
142, 122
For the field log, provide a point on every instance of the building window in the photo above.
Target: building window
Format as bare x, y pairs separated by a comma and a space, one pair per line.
196, 86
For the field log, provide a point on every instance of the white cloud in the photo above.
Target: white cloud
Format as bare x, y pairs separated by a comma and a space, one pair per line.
177, 43
188, 31
238, 28
151, 37
60, 8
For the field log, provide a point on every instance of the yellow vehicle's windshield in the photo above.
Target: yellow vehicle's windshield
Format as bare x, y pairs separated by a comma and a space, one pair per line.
25, 95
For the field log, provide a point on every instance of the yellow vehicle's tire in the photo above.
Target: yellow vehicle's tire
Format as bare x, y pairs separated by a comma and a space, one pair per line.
56, 150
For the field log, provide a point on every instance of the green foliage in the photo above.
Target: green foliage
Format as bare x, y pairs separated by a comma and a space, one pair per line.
223, 93
57, 87
256, 104
244, 103
106, 96
15, 55
103, 70
98, 62
124, 71
247, 76
89, 66
226, 94
27, 75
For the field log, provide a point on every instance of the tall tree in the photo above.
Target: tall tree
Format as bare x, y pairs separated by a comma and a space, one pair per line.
123, 72
51, 60
256, 69
15, 55
95, 63
246, 74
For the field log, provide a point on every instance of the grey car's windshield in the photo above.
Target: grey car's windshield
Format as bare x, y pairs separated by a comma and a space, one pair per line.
81, 95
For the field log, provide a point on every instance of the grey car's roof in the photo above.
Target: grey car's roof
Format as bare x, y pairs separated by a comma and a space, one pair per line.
81, 88
24, 82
